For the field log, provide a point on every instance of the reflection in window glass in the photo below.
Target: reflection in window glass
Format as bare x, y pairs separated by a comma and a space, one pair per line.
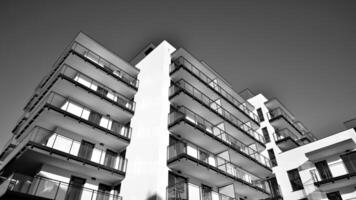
111, 96
105, 122
95, 157
194, 192
72, 108
192, 151
62, 143
75, 148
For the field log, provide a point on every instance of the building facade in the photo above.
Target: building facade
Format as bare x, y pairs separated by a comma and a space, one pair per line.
92, 131
71, 141
304, 167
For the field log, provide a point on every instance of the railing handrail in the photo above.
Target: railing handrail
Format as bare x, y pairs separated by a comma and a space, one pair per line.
67, 99
115, 196
230, 115
121, 96
63, 70
74, 46
216, 157
182, 110
229, 96
316, 175
185, 184
37, 130
279, 111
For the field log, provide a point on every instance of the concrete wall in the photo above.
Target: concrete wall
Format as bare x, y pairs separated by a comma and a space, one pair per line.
147, 171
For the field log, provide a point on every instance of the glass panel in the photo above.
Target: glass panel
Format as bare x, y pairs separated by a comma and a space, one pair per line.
194, 192
62, 144
192, 151
97, 153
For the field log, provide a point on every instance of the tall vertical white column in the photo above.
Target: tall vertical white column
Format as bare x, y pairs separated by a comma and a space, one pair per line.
147, 171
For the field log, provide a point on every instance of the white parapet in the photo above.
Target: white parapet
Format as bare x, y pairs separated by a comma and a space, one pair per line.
147, 171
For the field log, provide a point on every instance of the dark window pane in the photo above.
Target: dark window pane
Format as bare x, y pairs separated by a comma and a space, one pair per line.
265, 134
323, 169
260, 114
349, 160
295, 180
86, 150
334, 195
272, 157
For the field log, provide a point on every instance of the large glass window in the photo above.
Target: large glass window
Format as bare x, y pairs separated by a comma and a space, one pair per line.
350, 161
295, 180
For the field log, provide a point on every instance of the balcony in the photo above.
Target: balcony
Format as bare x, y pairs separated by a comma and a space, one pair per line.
340, 177
69, 82
194, 128
214, 169
25, 187
286, 140
42, 146
59, 111
183, 93
184, 64
181, 191
280, 120
90, 56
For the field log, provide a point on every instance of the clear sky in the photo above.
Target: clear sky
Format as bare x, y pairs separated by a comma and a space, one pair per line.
302, 52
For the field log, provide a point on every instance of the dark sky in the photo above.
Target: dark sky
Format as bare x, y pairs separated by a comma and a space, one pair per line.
303, 52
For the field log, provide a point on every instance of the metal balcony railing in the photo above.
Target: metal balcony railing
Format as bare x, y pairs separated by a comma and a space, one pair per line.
281, 134
48, 139
215, 86
216, 132
105, 64
181, 191
67, 105
70, 73
277, 112
53, 189
217, 162
182, 85
337, 170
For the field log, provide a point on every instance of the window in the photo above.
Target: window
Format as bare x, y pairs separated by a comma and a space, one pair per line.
323, 169
295, 180
260, 114
272, 157
349, 160
334, 195
266, 134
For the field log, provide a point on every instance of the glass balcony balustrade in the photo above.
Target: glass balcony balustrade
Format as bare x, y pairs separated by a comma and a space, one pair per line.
217, 162
184, 113
53, 189
87, 114
64, 104
278, 112
70, 73
335, 171
281, 134
182, 85
181, 191
212, 83
105, 64
88, 154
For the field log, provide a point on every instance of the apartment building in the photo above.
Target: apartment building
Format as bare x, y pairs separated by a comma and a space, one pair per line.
193, 136
70, 143
91, 132
304, 167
